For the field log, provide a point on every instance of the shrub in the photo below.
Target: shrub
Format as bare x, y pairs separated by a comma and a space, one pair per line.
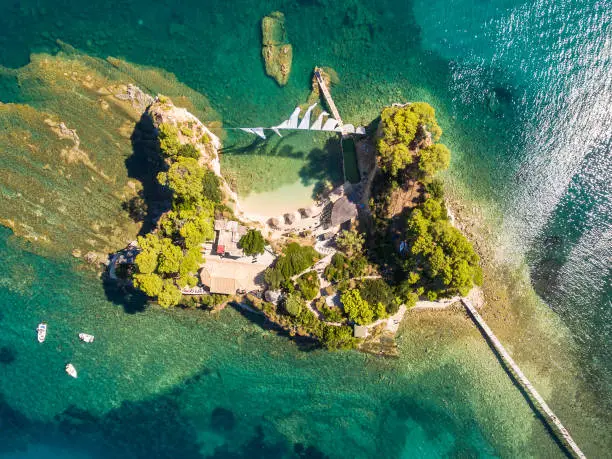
308, 284
186, 131
335, 338
376, 291
293, 304
168, 139
295, 259
343, 268
332, 313
356, 308
188, 151
211, 187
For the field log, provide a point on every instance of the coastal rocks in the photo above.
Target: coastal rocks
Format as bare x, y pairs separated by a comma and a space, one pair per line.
133, 94
276, 50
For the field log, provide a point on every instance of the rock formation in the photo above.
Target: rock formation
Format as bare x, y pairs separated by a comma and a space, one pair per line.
276, 50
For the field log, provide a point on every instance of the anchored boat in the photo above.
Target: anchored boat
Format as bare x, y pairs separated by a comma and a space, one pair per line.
86, 338
41, 331
71, 370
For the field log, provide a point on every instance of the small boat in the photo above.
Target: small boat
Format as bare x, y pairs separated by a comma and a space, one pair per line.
42, 332
86, 338
71, 370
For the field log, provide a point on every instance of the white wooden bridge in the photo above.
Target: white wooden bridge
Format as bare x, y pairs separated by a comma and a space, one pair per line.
536, 399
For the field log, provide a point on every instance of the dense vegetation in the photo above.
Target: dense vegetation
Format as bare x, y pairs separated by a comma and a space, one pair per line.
402, 131
441, 260
170, 256
420, 249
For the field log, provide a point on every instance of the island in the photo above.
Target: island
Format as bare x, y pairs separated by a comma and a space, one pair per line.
340, 274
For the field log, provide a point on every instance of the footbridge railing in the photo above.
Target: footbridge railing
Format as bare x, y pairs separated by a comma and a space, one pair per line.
537, 400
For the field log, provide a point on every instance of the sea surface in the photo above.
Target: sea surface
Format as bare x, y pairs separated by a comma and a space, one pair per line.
523, 91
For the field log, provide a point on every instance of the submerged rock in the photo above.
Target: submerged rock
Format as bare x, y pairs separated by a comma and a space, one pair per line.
276, 50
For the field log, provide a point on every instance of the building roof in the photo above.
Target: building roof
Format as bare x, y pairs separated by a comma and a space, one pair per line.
343, 211
223, 285
227, 276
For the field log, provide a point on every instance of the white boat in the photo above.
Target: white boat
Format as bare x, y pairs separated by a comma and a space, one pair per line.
71, 370
86, 338
42, 332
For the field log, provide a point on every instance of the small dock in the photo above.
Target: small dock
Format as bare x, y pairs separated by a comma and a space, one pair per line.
328, 97
536, 399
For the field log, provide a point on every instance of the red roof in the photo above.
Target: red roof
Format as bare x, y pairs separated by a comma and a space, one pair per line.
220, 249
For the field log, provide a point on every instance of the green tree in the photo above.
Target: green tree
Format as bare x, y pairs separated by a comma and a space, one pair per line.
445, 259
309, 285
188, 151
211, 187
350, 242
433, 159
190, 262
184, 178
377, 291
400, 132
252, 242
170, 295
380, 312
170, 257
357, 309
293, 304
150, 284
146, 260
336, 338
168, 139
273, 278
197, 226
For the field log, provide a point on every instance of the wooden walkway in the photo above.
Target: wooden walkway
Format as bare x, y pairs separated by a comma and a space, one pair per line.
521, 379
328, 97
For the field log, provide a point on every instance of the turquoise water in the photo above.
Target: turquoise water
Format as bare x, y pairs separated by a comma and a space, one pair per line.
523, 91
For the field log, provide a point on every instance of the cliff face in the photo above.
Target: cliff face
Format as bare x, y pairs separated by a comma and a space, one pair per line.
192, 131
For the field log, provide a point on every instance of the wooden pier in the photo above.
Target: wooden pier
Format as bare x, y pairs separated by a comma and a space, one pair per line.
535, 398
328, 97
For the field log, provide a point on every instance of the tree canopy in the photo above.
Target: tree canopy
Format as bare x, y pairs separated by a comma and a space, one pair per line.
441, 253
308, 284
185, 179
350, 242
356, 308
252, 243
402, 128
434, 159
170, 256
